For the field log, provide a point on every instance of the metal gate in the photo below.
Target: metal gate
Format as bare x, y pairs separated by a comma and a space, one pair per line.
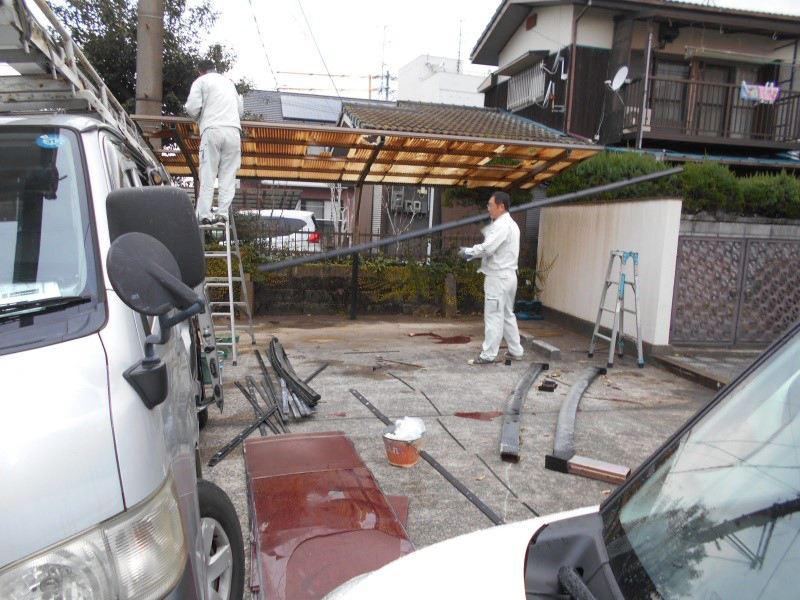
734, 291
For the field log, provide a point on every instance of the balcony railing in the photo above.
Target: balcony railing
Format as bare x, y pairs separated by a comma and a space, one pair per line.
695, 108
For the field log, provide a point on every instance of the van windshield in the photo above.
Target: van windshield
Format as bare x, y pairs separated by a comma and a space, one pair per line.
46, 256
718, 515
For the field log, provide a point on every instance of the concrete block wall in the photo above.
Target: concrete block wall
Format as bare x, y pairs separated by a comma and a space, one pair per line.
739, 227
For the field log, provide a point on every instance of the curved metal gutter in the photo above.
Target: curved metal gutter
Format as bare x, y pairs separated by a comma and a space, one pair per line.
509, 434
564, 443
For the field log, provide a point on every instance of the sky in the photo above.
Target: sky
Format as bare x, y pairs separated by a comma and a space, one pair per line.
360, 38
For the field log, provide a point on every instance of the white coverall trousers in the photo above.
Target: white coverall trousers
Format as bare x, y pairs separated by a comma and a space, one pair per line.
220, 158
498, 315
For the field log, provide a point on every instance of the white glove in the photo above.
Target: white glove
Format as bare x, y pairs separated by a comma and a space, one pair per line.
465, 253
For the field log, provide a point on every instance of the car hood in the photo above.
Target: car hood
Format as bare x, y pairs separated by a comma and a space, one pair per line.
484, 564
57, 455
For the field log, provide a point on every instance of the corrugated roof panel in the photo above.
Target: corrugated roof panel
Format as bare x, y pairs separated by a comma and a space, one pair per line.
326, 154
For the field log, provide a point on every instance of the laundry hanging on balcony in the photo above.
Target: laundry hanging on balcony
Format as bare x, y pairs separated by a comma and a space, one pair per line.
763, 94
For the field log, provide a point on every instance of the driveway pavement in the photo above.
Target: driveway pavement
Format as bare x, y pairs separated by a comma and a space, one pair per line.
623, 417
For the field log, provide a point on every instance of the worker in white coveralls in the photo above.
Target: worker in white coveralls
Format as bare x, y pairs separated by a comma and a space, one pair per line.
499, 254
217, 107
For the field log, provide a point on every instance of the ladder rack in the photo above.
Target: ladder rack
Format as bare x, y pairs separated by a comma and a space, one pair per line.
54, 74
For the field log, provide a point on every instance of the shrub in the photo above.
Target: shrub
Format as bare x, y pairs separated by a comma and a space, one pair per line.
611, 167
776, 196
710, 187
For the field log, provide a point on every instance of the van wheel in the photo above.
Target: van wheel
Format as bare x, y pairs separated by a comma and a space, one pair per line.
223, 548
202, 418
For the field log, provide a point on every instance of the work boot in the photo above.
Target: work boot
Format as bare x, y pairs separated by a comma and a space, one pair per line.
510, 356
480, 361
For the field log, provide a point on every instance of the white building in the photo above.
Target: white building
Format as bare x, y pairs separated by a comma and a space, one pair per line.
440, 80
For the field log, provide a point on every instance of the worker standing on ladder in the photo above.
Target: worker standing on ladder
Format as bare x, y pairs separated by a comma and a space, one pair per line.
217, 107
500, 256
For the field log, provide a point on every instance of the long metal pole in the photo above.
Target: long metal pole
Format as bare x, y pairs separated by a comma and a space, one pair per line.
301, 260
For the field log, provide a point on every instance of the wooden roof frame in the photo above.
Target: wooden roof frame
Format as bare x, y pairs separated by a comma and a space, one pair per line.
350, 156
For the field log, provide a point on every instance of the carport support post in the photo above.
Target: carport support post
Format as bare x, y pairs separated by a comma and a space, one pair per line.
354, 289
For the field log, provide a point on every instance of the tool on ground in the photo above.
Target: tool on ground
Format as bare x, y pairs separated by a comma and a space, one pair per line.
563, 459
493, 517
616, 339
225, 308
509, 433
548, 385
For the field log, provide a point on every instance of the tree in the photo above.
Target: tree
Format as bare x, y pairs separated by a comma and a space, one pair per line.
106, 31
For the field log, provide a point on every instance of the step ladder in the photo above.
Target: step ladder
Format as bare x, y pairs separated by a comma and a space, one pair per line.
223, 311
619, 310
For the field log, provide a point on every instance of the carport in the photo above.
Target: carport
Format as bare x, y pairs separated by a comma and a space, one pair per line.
409, 144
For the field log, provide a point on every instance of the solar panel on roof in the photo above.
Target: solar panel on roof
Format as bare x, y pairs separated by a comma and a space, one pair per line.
311, 108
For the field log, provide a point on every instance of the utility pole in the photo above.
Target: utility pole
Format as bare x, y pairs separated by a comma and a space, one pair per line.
149, 57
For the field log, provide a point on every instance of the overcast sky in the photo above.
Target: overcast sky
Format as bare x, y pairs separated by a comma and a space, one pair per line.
357, 37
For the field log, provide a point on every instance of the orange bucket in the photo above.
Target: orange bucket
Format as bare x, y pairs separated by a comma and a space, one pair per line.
401, 453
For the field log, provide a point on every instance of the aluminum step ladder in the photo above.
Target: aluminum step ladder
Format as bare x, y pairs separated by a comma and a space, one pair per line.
618, 326
223, 311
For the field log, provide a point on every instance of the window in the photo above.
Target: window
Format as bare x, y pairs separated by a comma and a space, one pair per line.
527, 87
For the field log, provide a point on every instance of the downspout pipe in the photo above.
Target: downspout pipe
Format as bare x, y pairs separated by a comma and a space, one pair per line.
573, 52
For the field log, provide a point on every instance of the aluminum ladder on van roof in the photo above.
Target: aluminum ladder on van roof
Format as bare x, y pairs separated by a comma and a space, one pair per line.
221, 290
54, 74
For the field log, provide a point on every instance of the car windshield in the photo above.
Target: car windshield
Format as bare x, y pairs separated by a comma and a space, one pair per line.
45, 241
717, 515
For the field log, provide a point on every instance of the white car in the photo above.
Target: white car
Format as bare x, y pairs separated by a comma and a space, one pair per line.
712, 514
282, 229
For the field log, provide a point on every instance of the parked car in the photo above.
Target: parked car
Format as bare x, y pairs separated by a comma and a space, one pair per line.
101, 279
282, 230
714, 513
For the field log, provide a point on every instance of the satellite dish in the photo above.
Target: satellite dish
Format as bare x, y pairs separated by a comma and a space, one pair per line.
619, 78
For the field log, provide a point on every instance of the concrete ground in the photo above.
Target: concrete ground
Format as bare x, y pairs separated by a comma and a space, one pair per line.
623, 417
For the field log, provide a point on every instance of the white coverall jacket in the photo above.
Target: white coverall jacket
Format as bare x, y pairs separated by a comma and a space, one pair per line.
217, 107
499, 254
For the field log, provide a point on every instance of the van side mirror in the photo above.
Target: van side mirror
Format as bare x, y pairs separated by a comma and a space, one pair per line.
165, 213
146, 277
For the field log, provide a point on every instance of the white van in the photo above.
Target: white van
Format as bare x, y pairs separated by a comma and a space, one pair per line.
100, 355
283, 230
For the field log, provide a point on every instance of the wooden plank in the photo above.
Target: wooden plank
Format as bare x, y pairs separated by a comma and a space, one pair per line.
597, 469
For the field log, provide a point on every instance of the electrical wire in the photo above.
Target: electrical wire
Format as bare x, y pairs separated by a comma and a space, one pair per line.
261, 39
318, 50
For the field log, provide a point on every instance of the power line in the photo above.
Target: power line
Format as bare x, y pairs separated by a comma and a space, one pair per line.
318, 50
263, 47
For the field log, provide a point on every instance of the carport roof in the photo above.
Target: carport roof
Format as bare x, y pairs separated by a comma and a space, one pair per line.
447, 146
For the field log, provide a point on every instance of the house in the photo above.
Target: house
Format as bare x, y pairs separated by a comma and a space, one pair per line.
682, 78
686, 81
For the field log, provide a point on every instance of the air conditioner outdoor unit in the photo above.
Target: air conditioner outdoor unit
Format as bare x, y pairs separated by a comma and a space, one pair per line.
632, 117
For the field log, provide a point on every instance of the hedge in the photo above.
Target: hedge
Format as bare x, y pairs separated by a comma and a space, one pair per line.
704, 186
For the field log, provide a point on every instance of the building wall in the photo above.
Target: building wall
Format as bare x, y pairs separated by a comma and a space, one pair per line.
596, 28
580, 239
441, 80
553, 31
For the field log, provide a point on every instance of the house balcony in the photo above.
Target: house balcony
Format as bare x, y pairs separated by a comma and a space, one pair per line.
682, 110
